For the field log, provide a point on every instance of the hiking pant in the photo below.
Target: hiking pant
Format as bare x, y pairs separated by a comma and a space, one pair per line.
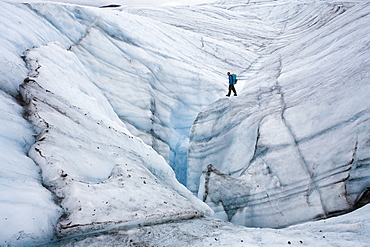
231, 88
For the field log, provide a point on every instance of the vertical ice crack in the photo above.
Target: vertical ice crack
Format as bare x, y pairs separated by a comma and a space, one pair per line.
256, 148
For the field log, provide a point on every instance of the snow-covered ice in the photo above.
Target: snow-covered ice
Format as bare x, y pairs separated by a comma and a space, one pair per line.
111, 95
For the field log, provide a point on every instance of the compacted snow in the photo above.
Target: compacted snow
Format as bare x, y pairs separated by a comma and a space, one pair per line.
97, 112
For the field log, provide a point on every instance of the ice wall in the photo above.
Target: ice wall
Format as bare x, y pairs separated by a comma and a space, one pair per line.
157, 77
98, 78
295, 143
99, 173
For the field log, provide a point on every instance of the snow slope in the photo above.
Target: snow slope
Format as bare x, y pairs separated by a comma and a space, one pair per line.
95, 178
165, 88
27, 209
105, 90
297, 138
99, 173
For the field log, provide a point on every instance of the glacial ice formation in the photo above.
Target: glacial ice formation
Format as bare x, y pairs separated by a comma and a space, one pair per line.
100, 182
110, 96
297, 138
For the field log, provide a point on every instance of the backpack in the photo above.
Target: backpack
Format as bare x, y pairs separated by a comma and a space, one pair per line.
234, 78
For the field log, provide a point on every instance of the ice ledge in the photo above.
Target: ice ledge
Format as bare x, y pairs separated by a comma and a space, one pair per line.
340, 231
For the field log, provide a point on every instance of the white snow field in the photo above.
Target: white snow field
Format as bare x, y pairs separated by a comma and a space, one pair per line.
110, 116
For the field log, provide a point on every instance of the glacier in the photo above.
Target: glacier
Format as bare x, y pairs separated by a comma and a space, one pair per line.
107, 114
298, 136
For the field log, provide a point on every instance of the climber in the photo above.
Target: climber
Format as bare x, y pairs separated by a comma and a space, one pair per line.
232, 81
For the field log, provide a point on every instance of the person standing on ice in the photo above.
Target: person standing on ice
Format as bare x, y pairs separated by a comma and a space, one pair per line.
232, 81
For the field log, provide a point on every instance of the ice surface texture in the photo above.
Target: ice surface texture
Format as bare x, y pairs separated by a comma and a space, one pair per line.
96, 79
297, 138
347, 230
101, 174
